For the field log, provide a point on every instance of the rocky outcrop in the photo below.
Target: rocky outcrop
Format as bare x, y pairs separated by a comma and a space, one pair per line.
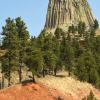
64, 13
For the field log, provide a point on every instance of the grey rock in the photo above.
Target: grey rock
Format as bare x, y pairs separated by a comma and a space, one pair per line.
64, 13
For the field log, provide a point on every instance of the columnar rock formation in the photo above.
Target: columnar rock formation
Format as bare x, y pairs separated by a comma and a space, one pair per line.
64, 13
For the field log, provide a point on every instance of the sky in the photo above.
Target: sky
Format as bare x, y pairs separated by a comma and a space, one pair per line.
33, 12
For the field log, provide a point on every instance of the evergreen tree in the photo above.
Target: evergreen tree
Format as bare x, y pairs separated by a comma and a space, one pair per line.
67, 54
91, 96
23, 36
34, 61
72, 29
58, 33
10, 44
77, 47
86, 68
56, 51
81, 29
50, 60
96, 25
41, 40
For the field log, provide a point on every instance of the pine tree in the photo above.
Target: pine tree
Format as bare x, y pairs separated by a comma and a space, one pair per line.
86, 68
41, 40
56, 51
58, 33
67, 53
72, 29
34, 61
10, 43
50, 60
96, 25
91, 96
23, 36
81, 29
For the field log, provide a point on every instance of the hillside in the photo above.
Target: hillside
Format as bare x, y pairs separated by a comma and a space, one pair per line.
28, 92
50, 88
69, 86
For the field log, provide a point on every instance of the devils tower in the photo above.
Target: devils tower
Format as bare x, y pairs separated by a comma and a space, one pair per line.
64, 13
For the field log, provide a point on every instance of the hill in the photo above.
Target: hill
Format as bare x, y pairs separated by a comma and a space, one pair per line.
29, 92
69, 86
50, 88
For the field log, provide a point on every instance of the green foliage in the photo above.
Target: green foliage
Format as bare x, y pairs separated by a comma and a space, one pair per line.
23, 39
67, 54
81, 28
50, 60
58, 33
34, 60
86, 68
49, 53
78, 50
10, 42
15, 41
96, 25
72, 29
91, 96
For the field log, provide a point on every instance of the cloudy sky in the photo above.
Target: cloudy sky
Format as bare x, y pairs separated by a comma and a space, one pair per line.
33, 12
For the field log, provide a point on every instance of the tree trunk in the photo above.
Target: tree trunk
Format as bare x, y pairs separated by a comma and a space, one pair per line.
49, 71
69, 73
2, 83
20, 64
43, 72
9, 71
55, 71
9, 79
33, 79
20, 73
89, 76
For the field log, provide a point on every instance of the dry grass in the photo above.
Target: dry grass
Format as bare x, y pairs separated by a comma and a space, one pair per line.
69, 86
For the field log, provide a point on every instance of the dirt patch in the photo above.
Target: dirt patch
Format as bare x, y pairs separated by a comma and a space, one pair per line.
30, 92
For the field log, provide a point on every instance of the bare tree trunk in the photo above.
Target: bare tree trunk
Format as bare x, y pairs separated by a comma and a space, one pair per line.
69, 71
49, 71
9, 71
69, 74
9, 79
55, 71
2, 82
20, 68
33, 79
20, 73
43, 72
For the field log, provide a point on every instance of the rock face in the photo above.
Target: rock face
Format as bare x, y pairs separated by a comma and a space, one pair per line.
64, 13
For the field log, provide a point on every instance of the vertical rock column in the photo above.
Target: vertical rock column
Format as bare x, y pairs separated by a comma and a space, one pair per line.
64, 13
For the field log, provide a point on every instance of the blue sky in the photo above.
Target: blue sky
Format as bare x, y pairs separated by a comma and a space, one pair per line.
33, 12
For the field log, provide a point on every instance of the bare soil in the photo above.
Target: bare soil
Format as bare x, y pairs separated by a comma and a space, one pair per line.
60, 87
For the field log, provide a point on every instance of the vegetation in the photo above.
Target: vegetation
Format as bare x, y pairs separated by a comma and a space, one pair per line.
90, 97
47, 54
